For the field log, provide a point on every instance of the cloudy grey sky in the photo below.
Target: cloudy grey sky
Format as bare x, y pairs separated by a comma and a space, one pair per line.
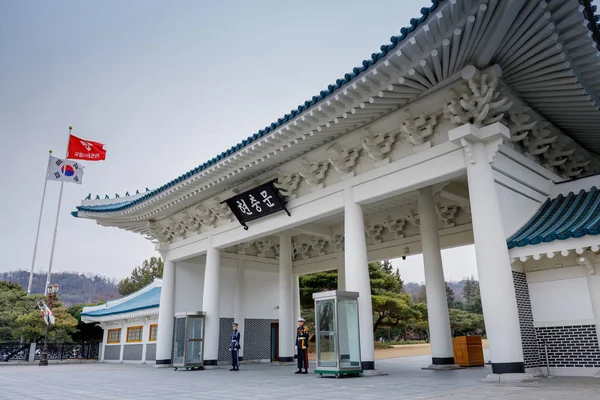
165, 85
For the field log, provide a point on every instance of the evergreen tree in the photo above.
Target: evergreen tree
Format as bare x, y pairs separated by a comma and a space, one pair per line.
142, 276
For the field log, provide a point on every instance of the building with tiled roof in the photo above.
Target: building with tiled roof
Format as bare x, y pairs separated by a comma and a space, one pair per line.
471, 126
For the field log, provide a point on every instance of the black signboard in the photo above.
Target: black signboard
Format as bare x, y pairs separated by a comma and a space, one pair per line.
256, 203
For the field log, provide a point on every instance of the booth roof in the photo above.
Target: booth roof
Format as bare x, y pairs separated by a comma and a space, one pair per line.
589, 13
146, 300
561, 218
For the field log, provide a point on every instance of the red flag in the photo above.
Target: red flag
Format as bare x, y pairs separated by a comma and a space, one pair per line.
80, 149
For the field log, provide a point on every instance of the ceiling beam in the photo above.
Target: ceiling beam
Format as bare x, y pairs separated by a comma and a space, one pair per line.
321, 231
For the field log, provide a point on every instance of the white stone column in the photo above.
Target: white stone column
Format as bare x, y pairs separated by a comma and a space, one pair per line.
442, 353
341, 284
297, 310
104, 341
286, 307
498, 296
238, 305
166, 314
357, 275
122, 341
145, 334
210, 303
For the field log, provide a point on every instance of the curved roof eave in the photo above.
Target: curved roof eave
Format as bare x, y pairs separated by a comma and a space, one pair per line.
589, 14
339, 83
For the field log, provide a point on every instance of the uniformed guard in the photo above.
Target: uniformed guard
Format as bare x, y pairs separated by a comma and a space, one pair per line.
234, 347
302, 346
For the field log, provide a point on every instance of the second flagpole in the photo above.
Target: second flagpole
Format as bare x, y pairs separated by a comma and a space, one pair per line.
56, 225
37, 234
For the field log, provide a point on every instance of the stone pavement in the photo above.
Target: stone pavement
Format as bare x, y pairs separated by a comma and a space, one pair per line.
406, 380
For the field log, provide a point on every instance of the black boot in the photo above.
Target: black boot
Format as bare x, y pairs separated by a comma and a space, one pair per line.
298, 372
305, 371
232, 369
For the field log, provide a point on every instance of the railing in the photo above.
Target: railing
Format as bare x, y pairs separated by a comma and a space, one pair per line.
59, 351
14, 351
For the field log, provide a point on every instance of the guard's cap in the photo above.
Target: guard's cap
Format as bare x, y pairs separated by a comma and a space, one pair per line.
301, 320
235, 324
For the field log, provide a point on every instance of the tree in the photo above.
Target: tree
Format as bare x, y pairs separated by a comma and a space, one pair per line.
472, 296
84, 332
450, 297
465, 323
392, 309
20, 317
383, 279
142, 276
315, 283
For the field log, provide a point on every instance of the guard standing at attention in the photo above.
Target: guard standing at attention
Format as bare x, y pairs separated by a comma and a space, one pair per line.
234, 347
302, 346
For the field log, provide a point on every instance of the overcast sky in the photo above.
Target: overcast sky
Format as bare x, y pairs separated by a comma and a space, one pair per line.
165, 85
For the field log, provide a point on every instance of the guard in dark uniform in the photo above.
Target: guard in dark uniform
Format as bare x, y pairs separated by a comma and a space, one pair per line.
234, 347
302, 346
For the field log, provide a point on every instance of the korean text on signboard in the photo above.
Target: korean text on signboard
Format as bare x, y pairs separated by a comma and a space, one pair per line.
256, 203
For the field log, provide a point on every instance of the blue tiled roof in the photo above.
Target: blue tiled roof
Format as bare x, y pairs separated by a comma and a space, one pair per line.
347, 78
593, 19
564, 217
149, 299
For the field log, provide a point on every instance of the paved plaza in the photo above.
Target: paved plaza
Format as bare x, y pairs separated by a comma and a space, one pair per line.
406, 380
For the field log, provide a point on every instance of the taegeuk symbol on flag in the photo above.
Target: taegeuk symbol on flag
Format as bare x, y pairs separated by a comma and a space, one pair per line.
64, 170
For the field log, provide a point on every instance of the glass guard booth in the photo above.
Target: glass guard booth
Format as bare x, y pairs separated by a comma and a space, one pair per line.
337, 333
188, 340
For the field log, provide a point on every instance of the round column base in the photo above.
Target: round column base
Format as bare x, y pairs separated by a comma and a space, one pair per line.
508, 368
367, 365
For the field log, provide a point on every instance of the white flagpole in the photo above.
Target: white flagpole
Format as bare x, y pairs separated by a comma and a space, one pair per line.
62, 183
37, 234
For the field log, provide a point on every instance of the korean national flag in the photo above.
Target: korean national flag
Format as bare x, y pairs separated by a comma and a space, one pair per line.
64, 170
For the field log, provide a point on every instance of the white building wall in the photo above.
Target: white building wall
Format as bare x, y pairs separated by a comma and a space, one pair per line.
516, 208
565, 307
189, 281
560, 298
132, 352
261, 294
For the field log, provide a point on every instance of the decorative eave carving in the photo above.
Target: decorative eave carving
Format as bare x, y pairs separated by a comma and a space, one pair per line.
447, 214
301, 248
416, 129
337, 241
287, 184
414, 219
160, 233
540, 141
263, 246
314, 172
479, 102
318, 245
243, 248
395, 226
378, 146
374, 231
343, 159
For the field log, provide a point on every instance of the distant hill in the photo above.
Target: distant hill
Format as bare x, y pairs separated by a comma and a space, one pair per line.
74, 288
414, 288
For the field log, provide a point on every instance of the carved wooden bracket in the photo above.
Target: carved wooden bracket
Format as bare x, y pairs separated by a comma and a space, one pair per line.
343, 159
